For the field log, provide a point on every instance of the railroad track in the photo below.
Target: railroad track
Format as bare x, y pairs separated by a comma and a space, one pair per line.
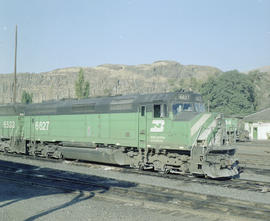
239, 184
151, 196
260, 171
254, 161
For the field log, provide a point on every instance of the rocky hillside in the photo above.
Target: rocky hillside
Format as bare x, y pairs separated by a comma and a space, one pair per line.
107, 79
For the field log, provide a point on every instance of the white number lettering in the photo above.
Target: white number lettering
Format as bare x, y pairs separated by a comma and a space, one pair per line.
9, 124
42, 125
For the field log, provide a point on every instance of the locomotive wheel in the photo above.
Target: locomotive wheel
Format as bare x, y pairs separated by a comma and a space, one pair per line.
159, 166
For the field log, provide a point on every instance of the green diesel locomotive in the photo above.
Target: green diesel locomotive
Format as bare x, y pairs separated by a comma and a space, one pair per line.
168, 132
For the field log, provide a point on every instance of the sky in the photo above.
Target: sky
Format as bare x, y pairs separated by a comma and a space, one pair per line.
227, 34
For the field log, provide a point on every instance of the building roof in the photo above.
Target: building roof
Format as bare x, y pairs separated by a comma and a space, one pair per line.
260, 116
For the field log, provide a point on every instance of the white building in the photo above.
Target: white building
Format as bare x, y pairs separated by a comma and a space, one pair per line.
258, 125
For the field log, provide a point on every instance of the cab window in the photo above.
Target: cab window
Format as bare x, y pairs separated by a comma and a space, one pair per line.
177, 108
160, 110
165, 110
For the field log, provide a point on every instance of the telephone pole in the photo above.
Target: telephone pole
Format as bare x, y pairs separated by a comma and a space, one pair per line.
15, 69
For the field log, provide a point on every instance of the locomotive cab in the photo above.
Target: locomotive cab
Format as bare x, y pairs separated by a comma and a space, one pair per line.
191, 135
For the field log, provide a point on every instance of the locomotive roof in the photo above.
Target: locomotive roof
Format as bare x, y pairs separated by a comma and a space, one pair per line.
11, 109
121, 103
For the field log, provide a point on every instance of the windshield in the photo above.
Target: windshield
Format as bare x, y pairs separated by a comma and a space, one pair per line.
187, 107
177, 108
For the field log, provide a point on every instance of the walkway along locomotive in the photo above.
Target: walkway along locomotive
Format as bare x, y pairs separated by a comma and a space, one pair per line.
169, 132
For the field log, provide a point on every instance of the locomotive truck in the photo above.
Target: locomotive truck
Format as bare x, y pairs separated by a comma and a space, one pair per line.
166, 132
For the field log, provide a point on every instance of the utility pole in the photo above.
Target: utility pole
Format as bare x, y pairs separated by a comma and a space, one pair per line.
15, 69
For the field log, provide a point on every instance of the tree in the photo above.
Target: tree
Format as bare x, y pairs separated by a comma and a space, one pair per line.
82, 87
26, 97
261, 82
186, 84
230, 93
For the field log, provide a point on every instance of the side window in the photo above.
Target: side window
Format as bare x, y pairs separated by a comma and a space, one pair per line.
157, 110
160, 110
164, 111
142, 111
197, 107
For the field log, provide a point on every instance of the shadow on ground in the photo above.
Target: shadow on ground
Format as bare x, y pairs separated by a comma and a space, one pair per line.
24, 186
